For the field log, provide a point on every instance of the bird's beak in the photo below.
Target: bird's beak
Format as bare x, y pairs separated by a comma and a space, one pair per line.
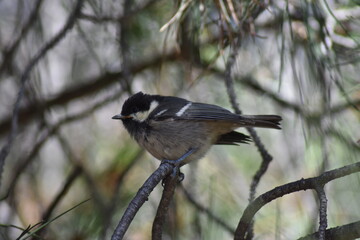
120, 117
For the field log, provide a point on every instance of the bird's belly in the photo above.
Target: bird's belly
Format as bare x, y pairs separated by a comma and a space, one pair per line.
172, 142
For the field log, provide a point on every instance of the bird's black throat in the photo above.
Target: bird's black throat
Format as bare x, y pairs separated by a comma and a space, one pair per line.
135, 128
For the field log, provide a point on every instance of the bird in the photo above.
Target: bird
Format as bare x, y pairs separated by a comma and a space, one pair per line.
179, 131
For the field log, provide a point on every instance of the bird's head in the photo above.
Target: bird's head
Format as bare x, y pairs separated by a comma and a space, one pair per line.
137, 107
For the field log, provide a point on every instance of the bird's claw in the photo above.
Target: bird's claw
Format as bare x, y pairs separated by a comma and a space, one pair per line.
177, 164
175, 172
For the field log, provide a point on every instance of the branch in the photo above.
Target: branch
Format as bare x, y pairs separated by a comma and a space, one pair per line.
345, 232
25, 76
322, 212
170, 183
302, 184
140, 198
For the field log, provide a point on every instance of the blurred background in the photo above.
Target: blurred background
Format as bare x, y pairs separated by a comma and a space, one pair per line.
66, 68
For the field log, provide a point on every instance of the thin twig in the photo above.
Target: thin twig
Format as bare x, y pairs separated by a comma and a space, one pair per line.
44, 224
178, 15
229, 82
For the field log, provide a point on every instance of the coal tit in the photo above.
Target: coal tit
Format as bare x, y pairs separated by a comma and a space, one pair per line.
169, 127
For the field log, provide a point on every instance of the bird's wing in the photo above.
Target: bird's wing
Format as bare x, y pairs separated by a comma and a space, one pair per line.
186, 110
181, 109
203, 111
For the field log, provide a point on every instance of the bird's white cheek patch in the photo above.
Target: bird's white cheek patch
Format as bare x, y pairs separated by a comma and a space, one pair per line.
183, 109
142, 116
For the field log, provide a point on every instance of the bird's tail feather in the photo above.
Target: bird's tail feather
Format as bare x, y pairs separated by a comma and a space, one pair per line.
263, 121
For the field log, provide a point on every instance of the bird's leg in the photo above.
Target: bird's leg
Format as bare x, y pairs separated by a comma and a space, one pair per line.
177, 163
183, 157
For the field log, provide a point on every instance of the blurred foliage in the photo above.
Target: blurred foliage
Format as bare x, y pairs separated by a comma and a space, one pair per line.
297, 59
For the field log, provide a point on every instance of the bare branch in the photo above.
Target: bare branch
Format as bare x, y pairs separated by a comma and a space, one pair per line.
322, 212
170, 183
140, 198
302, 184
345, 232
